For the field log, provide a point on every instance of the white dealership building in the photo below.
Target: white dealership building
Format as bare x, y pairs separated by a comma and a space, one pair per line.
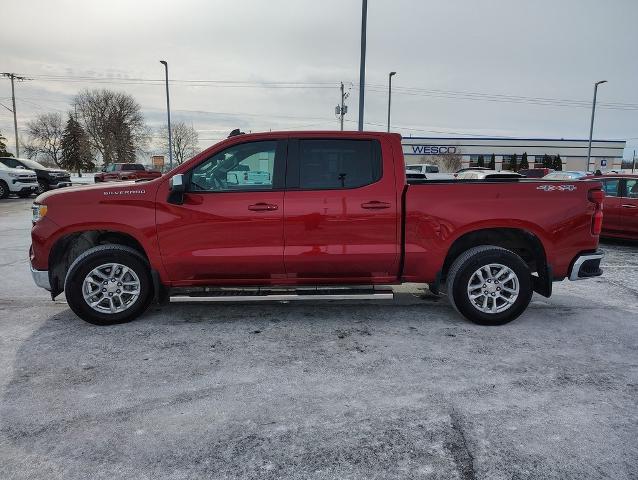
605, 154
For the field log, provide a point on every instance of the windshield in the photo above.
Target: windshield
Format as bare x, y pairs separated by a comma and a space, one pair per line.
31, 164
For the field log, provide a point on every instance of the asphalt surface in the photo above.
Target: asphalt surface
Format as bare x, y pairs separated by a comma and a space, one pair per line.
392, 390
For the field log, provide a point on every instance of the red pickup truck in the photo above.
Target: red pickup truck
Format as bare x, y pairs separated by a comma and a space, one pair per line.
125, 171
334, 209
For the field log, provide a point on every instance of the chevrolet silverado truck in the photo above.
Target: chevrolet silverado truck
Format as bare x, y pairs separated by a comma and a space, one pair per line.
48, 178
17, 180
125, 171
336, 211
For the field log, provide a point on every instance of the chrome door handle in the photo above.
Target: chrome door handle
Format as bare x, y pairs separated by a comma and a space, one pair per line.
375, 205
628, 205
262, 207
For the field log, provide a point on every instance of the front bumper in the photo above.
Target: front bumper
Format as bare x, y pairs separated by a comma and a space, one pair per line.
41, 278
586, 265
60, 184
20, 186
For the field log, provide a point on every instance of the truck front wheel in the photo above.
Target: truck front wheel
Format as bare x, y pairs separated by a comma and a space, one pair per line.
489, 285
109, 284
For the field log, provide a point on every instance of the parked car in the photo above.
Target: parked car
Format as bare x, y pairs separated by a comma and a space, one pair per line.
125, 171
48, 178
487, 175
17, 180
429, 172
621, 206
568, 175
422, 168
337, 211
535, 172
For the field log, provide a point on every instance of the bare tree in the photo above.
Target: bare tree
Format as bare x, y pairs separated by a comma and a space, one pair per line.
45, 137
449, 162
113, 122
185, 141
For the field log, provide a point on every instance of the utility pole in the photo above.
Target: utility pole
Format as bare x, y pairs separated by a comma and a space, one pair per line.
591, 126
13, 77
168, 112
362, 62
341, 110
633, 162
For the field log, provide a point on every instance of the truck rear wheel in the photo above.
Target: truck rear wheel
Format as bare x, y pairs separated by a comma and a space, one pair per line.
489, 285
109, 284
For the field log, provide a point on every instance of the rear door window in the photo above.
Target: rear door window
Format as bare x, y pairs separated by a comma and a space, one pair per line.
611, 187
336, 164
631, 187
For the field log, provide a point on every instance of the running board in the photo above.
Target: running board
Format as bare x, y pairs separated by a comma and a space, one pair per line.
264, 295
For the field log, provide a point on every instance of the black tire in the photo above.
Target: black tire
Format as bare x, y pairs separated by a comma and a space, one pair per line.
464, 267
95, 257
24, 194
4, 189
42, 187
97, 180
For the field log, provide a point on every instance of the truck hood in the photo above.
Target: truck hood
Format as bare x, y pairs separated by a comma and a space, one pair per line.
19, 171
97, 193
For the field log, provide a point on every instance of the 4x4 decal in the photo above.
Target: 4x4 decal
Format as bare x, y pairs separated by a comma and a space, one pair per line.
561, 188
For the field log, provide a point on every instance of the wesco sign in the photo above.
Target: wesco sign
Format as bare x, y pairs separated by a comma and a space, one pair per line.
432, 149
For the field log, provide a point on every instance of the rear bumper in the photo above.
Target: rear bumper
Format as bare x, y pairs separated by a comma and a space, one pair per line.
41, 278
586, 265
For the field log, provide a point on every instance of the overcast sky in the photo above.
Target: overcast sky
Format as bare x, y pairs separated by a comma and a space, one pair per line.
465, 67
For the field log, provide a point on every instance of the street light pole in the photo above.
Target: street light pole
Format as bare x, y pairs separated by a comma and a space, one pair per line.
591, 126
362, 62
392, 74
168, 112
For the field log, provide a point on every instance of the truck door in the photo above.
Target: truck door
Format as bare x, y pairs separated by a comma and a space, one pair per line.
230, 227
341, 213
629, 208
611, 205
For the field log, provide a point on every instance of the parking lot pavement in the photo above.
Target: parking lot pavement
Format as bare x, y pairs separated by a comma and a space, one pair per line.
398, 389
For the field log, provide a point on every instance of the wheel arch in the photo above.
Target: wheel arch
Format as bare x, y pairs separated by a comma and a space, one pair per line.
70, 246
524, 243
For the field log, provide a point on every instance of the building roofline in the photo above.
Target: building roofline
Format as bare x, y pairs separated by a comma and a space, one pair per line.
515, 138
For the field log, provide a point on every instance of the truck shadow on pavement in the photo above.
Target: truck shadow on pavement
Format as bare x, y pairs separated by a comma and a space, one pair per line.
303, 391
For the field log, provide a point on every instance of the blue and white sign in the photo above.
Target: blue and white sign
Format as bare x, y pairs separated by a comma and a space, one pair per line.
603, 163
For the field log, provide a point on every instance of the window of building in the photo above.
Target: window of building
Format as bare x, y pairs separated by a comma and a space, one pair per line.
243, 167
332, 164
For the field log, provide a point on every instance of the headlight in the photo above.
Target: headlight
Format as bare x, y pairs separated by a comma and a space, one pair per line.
39, 211
14, 175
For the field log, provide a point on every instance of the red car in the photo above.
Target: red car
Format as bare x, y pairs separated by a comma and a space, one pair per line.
621, 206
336, 210
125, 171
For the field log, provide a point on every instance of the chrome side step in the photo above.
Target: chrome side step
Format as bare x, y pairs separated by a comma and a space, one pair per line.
285, 295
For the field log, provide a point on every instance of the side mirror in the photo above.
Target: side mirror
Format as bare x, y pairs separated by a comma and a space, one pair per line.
177, 188
103, 169
20, 167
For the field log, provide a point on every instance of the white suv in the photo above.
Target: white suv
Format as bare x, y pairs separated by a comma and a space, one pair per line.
20, 181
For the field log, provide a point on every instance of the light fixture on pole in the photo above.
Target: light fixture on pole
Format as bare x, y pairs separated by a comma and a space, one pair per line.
168, 112
391, 74
591, 126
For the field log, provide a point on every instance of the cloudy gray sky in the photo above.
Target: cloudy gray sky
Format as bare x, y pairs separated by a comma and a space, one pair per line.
465, 67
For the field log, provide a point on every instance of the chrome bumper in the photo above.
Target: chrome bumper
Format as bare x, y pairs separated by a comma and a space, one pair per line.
41, 278
586, 266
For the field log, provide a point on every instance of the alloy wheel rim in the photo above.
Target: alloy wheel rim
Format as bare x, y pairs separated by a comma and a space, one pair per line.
493, 288
111, 288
